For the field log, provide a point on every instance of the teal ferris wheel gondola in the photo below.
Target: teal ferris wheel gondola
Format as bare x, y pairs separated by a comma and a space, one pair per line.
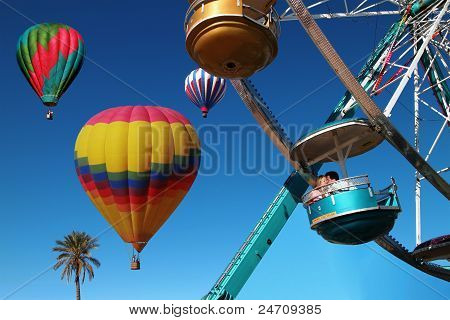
348, 211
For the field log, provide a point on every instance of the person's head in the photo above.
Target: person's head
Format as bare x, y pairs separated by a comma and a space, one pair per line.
332, 176
321, 181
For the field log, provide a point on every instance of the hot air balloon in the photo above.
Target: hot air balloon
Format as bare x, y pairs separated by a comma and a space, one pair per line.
204, 89
136, 164
50, 56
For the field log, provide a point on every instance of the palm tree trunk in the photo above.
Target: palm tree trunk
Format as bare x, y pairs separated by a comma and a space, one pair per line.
77, 285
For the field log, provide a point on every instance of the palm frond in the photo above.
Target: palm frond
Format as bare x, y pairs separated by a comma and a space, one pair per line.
94, 261
90, 271
58, 264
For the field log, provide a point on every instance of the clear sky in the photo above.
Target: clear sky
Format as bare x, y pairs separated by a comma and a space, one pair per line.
136, 56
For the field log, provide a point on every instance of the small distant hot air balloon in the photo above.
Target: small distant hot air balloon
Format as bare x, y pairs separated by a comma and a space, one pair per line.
50, 56
136, 164
204, 89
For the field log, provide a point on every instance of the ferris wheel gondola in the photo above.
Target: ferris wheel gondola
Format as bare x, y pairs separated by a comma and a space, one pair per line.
232, 39
434, 249
348, 211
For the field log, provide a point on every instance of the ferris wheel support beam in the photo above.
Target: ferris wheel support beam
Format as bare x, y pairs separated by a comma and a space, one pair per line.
440, 171
415, 62
378, 119
436, 140
392, 246
416, 143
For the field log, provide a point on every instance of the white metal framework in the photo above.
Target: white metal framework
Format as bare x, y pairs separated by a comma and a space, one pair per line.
417, 52
331, 9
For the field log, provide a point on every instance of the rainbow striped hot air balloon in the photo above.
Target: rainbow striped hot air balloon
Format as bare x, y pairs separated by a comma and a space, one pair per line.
136, 164
50, 56
204, 89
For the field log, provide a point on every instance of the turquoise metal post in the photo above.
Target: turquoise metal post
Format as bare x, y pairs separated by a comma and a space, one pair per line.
258, 242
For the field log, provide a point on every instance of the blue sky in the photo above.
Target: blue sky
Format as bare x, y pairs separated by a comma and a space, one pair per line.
140, 45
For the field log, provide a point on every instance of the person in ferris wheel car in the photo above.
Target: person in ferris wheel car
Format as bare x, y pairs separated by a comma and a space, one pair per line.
323, 180
316, 195
332, 176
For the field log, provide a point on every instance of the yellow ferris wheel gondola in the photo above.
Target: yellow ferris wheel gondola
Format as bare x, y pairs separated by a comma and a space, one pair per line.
232, 38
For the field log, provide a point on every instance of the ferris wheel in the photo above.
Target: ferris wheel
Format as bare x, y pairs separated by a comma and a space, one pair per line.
237, 38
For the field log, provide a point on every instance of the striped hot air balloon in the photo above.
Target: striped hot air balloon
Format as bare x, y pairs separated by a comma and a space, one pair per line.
204, 89
136, 164
50, 56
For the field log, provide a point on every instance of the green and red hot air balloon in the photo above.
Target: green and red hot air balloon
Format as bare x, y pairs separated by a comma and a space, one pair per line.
50, 56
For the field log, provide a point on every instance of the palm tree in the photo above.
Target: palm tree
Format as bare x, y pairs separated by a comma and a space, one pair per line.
76, 257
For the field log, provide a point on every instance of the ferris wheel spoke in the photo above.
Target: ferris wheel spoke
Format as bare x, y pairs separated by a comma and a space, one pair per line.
358, 6
387, 84
441, 58
430, 68
431, 87
439, 85
420, 52
342, 9
394, 64
447, 169
317, 4
404, 41
442, 45
357, 10
434, 109
436, 140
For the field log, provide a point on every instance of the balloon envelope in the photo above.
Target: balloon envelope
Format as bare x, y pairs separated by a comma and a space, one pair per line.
50, 56
136, 164
204, 89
